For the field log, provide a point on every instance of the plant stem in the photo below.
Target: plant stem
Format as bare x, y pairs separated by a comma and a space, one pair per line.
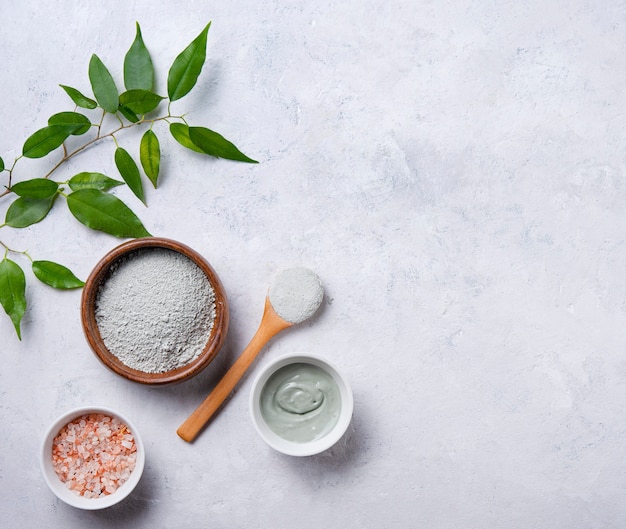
110, 134
69, 155
8, 250
10, 171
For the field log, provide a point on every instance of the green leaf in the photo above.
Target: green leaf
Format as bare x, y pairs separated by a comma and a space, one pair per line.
130, 172
78, 98
13, 292
46, 140
35, 188
25, 211
180, 132
128, 114
216, 145
140, 101
1, 165
73, 120
186, 68
138, 68
92, 181
56, 275
103, 85
104, 212
150, 156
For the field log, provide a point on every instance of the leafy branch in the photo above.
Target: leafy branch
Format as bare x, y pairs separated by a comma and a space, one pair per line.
88, 196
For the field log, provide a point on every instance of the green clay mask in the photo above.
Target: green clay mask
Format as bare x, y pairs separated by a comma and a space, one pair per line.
300, 402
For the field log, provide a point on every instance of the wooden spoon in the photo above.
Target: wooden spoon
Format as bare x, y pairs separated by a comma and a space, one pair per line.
271, 324
297, 294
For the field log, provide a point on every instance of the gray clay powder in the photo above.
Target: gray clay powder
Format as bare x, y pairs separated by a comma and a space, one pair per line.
296, 294
155, 310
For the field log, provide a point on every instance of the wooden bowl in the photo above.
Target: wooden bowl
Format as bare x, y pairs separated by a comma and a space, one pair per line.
92, 332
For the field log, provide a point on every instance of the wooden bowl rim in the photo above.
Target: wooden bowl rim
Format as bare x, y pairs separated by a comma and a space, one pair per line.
92, 333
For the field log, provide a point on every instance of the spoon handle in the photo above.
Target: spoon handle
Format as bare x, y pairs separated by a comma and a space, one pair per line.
271, 324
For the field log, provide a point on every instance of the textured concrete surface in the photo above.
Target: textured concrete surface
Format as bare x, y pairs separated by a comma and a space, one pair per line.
453, 171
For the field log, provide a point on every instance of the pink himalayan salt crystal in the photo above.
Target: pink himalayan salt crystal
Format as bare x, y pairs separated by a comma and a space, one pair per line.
94, 455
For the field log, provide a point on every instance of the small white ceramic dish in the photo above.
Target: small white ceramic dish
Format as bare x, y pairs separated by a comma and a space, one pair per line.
57, 486
307, 448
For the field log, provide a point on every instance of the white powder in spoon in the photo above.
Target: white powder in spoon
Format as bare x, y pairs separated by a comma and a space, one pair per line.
296, 294
155, 310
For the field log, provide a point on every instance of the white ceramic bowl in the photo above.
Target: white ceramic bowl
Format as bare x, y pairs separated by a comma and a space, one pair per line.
57, 486
307, 448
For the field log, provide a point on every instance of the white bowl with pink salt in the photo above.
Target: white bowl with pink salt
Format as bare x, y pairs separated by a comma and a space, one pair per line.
92, 457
